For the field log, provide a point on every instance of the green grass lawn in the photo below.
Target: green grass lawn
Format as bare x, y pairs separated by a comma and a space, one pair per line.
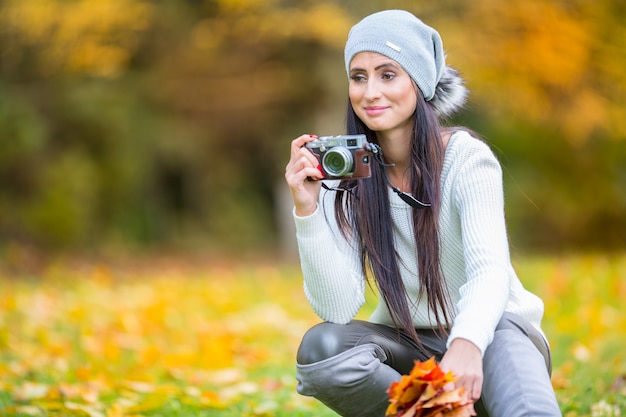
167, 338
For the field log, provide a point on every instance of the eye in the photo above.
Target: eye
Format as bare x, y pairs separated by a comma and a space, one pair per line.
387, 75
358, 77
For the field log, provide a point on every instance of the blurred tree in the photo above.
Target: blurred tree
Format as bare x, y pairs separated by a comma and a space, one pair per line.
548, 63
243, 75
47, 38
61, 62
152, 122
167, 121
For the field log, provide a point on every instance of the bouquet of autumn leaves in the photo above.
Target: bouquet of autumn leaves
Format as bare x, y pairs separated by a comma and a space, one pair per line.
422, 394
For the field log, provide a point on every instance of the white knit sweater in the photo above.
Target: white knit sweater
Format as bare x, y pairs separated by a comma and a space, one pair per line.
474, 252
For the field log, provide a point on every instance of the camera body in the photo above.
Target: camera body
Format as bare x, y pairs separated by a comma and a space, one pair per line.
342, 157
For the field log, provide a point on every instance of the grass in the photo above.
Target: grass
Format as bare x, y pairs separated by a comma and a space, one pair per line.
170, 338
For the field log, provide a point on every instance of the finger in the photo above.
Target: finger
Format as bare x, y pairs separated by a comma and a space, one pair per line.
472, 387
466, 385
305, 158
298, 157
476, 390
305, 161
301, 169
299, 142
313, 170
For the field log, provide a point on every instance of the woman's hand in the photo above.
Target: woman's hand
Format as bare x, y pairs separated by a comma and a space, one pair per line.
302, 166
464, 359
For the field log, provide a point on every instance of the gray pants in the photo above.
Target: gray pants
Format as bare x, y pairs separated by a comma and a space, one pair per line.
349, 367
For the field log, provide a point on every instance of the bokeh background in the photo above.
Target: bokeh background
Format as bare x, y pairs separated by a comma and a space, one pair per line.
147, 255
130, 125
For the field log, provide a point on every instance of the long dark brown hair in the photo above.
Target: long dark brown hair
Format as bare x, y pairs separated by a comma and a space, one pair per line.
365, 213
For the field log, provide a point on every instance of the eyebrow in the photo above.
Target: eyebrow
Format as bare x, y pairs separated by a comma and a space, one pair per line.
386, 64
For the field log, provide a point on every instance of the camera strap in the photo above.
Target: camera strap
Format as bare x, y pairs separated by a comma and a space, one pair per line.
377, 153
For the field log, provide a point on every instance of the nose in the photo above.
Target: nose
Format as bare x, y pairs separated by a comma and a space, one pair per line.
372, 90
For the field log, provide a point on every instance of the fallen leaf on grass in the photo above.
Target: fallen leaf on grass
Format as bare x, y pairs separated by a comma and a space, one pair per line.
88, 393
30, 391
29, 410
153, 402
139, 386
89, 410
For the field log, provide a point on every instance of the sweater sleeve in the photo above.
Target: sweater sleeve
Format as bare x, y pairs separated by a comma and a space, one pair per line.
479, 198
333, 279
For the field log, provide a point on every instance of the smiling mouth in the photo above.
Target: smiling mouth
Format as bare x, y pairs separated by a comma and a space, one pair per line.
375, 110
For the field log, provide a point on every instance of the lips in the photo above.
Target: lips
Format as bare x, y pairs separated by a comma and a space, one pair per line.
375, 110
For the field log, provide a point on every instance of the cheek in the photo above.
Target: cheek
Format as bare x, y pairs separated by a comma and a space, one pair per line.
354, 94
409, 97
413, 102
404, 92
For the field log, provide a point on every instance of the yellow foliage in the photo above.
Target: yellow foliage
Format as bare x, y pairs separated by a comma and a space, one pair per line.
256, 21
541, 60
121, 341
108, 334
246, 5
92, 37
548, 62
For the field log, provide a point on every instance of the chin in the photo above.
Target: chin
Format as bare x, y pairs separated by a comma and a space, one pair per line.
376, 127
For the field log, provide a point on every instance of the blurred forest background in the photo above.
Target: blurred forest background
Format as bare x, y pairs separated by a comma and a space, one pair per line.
141, 124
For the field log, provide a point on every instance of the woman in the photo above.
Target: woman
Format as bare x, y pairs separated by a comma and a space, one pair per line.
441, 264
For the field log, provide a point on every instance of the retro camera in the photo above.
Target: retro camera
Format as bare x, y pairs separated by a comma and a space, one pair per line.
342, 156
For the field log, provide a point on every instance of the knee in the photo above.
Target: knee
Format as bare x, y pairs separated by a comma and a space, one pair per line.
321, 342
519, 325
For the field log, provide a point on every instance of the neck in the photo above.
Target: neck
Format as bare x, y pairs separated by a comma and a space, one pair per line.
396, 151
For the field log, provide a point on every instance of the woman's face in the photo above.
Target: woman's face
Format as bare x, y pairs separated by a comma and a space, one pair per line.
382, 94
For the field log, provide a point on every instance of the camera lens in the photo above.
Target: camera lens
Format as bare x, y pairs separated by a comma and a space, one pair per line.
338, 161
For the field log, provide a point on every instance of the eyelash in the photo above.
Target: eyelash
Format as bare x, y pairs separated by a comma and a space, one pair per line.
385, 76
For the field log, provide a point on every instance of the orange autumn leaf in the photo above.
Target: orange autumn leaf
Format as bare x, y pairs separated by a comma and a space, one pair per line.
421, 393
466, 410
410, 412
446, 397
429, 393
411, 392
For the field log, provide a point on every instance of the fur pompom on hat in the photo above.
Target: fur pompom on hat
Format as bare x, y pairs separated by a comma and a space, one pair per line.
418, 49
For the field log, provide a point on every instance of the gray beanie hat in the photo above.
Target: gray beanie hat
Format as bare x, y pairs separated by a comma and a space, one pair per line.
418, 49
